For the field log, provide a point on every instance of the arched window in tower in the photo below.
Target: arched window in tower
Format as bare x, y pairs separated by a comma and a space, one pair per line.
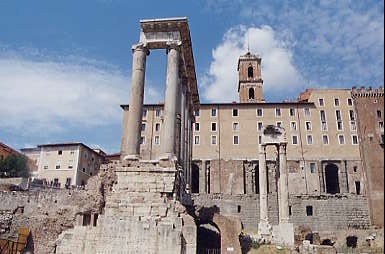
251, 93
250, 72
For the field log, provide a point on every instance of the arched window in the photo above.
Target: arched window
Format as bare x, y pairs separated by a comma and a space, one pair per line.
251, 93
250, 72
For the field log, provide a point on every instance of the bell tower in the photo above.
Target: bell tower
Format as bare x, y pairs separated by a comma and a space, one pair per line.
250, 79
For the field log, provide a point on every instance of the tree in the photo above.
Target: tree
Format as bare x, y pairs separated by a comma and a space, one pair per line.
14, 166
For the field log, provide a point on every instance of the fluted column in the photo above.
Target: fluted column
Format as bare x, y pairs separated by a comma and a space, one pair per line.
131, 144
170, 102
262, 186
283, 181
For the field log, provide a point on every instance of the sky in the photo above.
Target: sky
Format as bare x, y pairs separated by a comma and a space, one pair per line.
65, 66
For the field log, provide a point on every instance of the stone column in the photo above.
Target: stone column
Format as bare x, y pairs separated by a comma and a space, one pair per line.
263, 227
167, 149
283, 182
182, 125
134, 122
189, 123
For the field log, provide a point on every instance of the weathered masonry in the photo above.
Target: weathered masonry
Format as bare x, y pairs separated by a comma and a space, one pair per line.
144, 213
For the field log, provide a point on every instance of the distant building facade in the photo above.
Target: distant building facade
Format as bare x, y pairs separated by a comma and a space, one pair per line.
65, 164
324, 160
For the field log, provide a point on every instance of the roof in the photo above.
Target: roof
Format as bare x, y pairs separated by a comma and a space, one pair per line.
302, 103
10, 149
69, 144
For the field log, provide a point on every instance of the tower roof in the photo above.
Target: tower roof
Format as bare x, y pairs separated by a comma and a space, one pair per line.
247, 57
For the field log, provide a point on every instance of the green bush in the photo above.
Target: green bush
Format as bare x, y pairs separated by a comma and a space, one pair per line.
14, 166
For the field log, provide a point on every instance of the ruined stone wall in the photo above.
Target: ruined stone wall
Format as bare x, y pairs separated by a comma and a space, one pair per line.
330, 212
245, 207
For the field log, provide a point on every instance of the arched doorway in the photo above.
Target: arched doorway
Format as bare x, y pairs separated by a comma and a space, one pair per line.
194, 178
209, 239
331, 175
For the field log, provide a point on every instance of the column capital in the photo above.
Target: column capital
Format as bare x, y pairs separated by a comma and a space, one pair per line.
282, 148
173, 45
140, 47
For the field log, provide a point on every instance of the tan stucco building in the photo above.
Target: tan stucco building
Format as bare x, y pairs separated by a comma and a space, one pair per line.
65, 164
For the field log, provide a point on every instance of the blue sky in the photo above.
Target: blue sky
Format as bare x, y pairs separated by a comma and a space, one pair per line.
65, 66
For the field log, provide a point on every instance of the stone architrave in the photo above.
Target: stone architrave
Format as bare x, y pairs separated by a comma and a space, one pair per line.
132, 148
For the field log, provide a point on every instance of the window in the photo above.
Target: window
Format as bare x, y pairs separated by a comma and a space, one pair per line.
235, 126
250, 72
293, 126
308, 126
338, 115
196, 140
251, 93
144, 113
323, 115
84, 170
60, 152
351, 115
309, 210
213, 112
196, 112
324, 126
156, 140
309, 139
235, 140
294, 140
277, 112
57, 166
325, 140
259, 139
213, 140
157, 126
85, 155
336, 102
157, 113
341, 139
350, 102
197, 126
70, 164
142, 139
292, 111
312, 167
143, 128
279, 124
339, 126
239, 208
321, 102
306, 111
379, 113
259, 112
353, 125
45, 167
355, 168
381, 125
260, 126
235, 112
213, 126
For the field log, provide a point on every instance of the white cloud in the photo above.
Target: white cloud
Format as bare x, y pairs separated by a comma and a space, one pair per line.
51, 96
278, 71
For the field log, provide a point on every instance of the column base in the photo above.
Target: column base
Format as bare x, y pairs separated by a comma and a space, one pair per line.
264, 232
283, 234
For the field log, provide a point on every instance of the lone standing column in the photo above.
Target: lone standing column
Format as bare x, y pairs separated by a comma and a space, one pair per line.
131, 144
170, 102
182, 123
263, 222
284, 200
